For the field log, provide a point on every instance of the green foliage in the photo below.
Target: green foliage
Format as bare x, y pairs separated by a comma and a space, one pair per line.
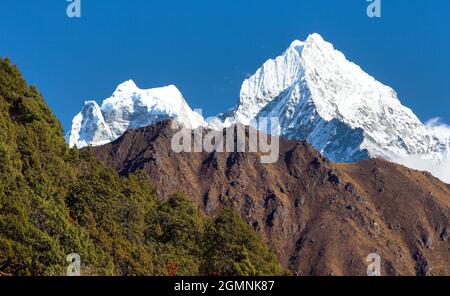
55, 201
176, 229
234, 249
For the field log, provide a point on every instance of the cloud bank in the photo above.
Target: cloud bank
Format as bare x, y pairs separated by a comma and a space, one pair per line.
441, 129
441, 171
417, 162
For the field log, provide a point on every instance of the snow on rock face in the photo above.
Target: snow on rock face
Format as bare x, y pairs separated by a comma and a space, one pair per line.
130, 107
320, 96
89, 126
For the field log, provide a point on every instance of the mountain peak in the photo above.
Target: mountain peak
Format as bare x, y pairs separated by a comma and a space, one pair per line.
128, 108
91, 105
314, 37
315, 44
89, 126
297, 45
315, 92
320, 96
126, 87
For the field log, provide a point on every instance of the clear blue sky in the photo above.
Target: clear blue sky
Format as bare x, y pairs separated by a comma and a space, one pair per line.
207, 48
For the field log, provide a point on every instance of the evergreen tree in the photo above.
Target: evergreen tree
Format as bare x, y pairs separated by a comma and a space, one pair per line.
55, 201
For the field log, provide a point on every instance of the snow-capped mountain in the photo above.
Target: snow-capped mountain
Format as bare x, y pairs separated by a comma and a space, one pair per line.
314, 91
129, 107
89, 127
319, 96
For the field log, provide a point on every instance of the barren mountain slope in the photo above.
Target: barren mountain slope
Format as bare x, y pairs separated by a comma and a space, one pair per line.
321, 218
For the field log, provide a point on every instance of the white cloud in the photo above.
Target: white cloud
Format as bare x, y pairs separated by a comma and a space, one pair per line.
441, 129
421, 162
441, 171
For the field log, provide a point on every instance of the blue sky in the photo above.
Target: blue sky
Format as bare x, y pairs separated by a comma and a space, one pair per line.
207, 48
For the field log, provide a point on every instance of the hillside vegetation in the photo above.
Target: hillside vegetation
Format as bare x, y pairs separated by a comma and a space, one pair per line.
55, 201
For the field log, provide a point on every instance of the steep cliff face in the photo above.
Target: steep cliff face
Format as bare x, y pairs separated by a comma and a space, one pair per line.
320, 217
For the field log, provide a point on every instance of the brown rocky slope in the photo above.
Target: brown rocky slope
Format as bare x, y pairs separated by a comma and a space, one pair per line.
320, 218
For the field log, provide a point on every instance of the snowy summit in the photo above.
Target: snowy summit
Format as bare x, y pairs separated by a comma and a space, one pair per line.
318, 96
129, 107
